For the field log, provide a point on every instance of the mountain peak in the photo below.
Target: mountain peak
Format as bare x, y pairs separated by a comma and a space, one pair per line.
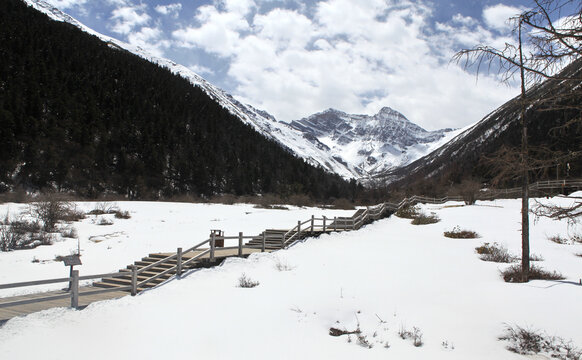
370, 143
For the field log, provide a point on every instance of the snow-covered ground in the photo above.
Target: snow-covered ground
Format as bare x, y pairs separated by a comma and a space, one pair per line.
388, 276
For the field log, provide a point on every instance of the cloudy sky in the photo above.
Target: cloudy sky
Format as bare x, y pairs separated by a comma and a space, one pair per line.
293, 58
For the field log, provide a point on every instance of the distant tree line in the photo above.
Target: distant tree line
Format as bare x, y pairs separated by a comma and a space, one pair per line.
78, 115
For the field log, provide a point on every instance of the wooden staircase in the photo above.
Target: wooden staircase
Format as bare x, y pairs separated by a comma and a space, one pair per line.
124, 281
275, 239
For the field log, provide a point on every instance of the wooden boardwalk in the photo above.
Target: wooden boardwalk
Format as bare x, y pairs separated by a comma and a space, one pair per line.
157, 268
24, 306
6, 313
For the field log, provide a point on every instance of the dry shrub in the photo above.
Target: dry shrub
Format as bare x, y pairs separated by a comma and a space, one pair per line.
245, 282
122, 214
103, 208
408, 212
21, 234
514, 274
495, 253
558, 239
458, 233
104, 222
415, 335
50, 210
532, 342
424, 219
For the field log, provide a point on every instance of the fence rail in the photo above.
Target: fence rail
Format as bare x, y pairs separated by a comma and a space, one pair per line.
286, 239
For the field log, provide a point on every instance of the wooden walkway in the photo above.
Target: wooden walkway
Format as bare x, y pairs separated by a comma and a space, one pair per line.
155, 269
6, 313
27, 304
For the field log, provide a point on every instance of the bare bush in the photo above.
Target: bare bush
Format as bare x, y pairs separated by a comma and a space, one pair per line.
408, 212
50, 211
469, 189
363, 341
458, 233
21, 234
558, 239
415, 335
245, 282
533, 342
104, 222
495, 253
514, 274
424, 219
122, 214
103, 208
536, 257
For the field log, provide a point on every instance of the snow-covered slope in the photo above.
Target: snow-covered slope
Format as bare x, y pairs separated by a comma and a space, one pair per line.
371, 143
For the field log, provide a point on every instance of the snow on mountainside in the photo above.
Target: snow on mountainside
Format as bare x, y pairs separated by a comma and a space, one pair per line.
291, 139
372, 143
352, 146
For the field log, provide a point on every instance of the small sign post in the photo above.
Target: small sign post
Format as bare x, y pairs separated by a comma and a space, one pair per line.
71, 261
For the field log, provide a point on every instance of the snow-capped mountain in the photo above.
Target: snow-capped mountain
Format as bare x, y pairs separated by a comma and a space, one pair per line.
352, 146
291, 139
372, 144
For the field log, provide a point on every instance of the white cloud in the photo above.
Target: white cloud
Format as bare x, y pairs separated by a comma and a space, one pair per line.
201, 70
497, 16
128, 17
172, 10
150, 39
354, 56
219, 32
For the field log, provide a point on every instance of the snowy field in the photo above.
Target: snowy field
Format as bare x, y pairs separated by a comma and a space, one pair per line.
387, 277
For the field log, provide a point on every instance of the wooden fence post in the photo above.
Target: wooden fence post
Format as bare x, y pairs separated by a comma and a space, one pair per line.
133, 280
335, 223
240, 244
298, 229
212, 244
312, 222
324, 223
75, 289
264, 240
179, 262
282, 240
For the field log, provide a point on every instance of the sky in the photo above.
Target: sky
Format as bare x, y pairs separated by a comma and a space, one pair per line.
294, 58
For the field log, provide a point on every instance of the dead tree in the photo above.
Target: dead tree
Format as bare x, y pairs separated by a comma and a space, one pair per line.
541, 48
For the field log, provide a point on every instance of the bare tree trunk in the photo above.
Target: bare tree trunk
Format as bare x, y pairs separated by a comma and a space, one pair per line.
525, 174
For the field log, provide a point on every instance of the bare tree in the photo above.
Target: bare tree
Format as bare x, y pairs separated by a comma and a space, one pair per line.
545, 41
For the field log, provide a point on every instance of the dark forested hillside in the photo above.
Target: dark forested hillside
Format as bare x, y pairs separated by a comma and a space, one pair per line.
79, 115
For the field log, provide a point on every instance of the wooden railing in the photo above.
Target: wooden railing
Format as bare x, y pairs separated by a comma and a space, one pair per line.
309, 226
74, 294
